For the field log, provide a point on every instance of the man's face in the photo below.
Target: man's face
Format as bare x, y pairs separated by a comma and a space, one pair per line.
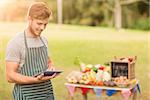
37, 26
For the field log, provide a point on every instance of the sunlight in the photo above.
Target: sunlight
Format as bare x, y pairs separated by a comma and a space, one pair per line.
3, 2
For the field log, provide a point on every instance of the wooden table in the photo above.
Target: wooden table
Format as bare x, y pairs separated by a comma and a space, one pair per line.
71, 86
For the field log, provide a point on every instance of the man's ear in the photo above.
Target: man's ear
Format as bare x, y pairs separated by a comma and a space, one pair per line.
29, 18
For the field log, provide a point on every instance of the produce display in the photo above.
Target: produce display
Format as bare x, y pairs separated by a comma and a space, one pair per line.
122, 81
96, 75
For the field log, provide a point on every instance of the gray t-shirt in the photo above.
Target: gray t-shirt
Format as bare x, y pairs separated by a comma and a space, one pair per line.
15, 51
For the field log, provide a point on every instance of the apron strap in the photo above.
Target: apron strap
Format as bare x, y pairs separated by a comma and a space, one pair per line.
25, 40
42, 41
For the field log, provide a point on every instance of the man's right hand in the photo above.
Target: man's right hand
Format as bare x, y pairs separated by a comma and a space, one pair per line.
14, 77
42, 78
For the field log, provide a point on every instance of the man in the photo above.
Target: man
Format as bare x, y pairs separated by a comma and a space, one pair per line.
27, 56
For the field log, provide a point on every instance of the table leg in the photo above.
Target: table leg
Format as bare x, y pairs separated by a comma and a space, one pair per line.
69, 97
85, 97
134, 95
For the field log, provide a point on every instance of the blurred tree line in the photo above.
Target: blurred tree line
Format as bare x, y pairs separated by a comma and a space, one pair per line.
108, 13
134, 13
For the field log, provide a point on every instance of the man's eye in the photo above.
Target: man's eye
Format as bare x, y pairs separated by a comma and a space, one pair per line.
39, 23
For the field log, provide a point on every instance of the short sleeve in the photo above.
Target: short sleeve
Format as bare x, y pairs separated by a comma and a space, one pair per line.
45, 40
13, 52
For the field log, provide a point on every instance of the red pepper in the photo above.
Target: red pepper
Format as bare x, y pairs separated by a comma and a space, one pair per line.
87, 70
101, 68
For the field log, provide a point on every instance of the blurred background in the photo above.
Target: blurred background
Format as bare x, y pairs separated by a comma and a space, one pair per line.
94, 30
133, 14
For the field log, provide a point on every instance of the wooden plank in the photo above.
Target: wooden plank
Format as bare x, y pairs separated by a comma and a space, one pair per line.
99, 87
85, 97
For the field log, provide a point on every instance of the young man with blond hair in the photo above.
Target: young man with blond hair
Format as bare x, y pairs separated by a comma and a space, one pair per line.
27, 56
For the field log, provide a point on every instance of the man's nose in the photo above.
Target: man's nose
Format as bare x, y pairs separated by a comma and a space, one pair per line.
42, 27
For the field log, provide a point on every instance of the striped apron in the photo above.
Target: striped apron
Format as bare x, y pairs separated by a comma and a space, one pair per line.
36, 61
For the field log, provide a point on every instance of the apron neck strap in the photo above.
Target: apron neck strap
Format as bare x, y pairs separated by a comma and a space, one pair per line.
25, 39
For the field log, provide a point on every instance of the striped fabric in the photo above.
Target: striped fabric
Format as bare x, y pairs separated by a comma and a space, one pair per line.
35, 62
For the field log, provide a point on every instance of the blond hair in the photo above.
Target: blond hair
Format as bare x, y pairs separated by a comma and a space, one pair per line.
39, 10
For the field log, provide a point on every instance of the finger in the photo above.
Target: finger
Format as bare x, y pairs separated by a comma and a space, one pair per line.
54, 75
50, 77
49, 68
53, 68
40, 76
46, 78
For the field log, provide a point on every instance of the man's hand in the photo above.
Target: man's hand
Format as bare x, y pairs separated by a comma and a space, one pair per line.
50, 64
43, 78
14, 77
51, 68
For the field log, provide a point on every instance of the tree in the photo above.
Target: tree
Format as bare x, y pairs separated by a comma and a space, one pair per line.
59, 11
116, 7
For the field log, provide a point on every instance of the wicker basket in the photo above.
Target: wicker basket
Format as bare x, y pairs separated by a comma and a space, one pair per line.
122, 85
123, 68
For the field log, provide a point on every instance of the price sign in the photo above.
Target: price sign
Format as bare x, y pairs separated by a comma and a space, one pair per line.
119, 69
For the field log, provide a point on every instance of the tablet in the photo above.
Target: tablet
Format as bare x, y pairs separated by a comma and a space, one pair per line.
50, 73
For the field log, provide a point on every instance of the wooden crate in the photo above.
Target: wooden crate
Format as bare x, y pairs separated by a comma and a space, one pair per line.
123, 67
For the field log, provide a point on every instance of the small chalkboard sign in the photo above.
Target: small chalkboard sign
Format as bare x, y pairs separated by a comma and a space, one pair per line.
119, 69
123, 67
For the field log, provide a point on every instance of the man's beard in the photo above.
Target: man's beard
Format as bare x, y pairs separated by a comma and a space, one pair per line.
34, 32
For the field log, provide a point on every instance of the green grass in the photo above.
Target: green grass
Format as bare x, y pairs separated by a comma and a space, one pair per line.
95, 45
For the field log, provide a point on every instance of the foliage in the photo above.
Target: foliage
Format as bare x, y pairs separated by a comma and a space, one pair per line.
77, 61
142, 23
95, 13
84, 12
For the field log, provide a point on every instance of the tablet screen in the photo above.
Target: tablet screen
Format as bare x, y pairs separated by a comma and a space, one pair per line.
50, 73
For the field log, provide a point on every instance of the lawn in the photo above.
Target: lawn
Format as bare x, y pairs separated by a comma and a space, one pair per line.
94, 45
